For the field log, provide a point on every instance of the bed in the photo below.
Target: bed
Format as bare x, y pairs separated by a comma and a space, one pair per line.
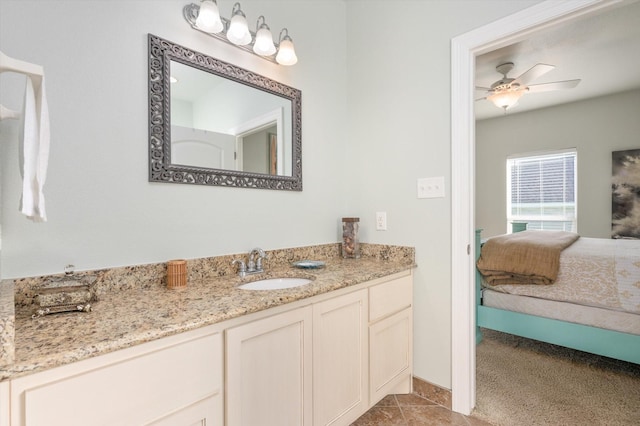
592, 304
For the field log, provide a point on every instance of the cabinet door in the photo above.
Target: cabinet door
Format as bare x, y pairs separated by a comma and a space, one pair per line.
4, 403
269, 371
203, 413
340, 362
390, 346
126, 390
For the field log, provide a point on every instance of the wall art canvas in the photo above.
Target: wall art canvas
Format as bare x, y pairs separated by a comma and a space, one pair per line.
625, 196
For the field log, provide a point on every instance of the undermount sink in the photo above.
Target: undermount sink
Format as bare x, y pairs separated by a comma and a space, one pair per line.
275, 283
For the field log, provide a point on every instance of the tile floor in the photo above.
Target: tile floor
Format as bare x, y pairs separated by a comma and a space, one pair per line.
413, 410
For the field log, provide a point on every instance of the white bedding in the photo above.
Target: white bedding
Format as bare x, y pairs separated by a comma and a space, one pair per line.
602, 273
624, 322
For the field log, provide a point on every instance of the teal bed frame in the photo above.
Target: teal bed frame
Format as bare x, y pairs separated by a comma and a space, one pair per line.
609, 343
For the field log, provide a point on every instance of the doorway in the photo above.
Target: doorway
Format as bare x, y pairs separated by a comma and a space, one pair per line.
464, 49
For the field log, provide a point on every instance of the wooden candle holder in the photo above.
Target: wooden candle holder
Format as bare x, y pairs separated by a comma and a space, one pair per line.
176, 273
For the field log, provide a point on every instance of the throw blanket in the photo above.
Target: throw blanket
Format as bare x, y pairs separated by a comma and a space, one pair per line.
528, 257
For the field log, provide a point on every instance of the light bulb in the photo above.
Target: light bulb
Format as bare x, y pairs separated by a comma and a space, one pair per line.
286, 53
506, 99
238, 32
264, 42
209, 17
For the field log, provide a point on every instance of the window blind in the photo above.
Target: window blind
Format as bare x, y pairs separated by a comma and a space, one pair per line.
542, 189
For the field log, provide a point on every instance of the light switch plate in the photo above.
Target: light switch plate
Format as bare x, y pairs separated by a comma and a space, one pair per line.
432, 187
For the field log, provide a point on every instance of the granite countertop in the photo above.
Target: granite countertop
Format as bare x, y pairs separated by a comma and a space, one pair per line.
128, 317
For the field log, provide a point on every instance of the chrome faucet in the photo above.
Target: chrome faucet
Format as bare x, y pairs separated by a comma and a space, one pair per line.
254, 264
242, 268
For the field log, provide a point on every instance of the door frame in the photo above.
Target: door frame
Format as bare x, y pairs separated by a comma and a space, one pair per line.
464, 49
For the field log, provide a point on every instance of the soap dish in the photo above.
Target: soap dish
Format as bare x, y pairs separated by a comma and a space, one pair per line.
309, 264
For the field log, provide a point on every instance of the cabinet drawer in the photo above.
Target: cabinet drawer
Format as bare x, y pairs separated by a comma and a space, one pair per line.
390, 297
137, 390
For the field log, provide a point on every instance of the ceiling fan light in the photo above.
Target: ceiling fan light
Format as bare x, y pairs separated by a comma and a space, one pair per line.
208, 19
506, 99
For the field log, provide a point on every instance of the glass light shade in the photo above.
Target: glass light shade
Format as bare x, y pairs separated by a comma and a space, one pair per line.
506, 99
238, 32
209, 18
264, 42
286, 53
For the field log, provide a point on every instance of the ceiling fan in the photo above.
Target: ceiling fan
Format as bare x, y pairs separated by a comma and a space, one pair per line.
506, 92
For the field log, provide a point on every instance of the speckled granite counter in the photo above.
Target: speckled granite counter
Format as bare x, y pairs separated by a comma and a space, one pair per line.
7, 324
140, 310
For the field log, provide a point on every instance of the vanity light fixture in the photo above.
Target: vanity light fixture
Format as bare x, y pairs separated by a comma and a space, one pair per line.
286, 54
235, 31
238, 32
264, 40
209, 17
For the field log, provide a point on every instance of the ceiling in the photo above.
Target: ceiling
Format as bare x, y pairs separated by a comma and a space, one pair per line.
603, 50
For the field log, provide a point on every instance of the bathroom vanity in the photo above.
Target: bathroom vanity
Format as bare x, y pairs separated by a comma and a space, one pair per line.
318, 354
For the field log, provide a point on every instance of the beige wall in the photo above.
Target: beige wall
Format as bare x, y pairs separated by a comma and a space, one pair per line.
595, 127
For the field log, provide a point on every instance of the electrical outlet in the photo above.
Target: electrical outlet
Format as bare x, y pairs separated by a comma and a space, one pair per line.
381, 221
431, 187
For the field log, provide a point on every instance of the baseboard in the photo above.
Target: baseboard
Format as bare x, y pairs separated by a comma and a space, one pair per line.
435, 393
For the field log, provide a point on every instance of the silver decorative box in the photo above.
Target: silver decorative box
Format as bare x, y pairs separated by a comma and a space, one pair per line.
65, 294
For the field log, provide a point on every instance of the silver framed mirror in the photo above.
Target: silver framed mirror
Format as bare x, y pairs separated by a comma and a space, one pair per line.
213, 123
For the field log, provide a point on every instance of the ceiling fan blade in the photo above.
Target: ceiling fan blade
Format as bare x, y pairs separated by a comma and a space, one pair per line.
486, 89
480, 99
556, 85
533, 73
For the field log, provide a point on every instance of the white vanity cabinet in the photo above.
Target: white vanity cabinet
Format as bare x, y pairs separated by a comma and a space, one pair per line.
172, 381
340, 359
350, 348
269, 370
5, 402
324, 360
390, 337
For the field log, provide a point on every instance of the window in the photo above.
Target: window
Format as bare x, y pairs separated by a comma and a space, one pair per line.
542, 190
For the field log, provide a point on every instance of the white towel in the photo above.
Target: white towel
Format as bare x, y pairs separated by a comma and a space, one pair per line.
35, 153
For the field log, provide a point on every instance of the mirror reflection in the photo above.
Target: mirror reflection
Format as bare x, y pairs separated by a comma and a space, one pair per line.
221, 124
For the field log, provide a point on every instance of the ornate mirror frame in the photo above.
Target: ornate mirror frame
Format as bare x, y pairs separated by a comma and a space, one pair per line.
161, 53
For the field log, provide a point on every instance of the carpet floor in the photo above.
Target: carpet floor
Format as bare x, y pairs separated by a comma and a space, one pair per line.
525, 382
